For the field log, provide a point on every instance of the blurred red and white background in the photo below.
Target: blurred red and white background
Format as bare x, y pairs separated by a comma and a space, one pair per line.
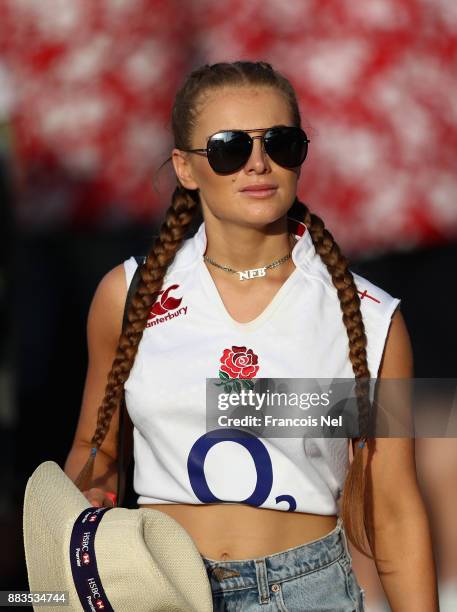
87, 89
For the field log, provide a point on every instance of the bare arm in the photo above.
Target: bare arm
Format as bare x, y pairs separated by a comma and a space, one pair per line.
104, 326
402, 531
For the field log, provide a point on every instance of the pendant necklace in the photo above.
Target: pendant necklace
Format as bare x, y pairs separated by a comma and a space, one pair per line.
252, 273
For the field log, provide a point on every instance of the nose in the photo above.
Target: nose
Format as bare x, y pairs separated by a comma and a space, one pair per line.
258, 159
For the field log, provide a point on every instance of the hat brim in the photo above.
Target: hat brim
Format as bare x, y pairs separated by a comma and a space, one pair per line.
144, 556
50, 504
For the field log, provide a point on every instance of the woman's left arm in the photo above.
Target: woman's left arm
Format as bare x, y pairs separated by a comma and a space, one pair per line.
401, 524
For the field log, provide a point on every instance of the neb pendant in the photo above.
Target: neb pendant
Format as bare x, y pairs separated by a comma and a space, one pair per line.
254, 273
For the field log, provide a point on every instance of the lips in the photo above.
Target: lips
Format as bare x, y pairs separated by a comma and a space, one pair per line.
262, 187
259, 191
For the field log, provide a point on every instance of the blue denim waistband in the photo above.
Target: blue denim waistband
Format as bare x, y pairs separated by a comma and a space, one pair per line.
289, 563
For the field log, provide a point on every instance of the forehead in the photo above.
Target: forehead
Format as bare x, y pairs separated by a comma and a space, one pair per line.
241, 108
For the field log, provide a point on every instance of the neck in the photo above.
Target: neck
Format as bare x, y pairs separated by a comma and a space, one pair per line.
246, 247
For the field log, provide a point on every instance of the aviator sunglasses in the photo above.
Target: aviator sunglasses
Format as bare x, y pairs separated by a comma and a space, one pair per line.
229, 150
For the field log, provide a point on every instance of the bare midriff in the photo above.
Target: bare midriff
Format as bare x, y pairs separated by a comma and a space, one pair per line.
237, 531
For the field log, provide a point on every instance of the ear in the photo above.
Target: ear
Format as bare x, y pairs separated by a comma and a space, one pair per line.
183, 169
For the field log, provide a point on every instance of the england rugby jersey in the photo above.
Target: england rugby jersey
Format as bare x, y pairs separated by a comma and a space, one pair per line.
190, 336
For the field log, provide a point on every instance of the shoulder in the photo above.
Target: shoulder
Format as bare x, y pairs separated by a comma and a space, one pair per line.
107, 306
113, 286
375, 302
389, 345
187, 256
384, 324
397, 360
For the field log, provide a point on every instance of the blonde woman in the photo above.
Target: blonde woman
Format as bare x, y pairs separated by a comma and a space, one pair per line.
261, 289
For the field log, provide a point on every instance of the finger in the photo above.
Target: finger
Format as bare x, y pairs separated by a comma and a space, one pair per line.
110, 499
96, 497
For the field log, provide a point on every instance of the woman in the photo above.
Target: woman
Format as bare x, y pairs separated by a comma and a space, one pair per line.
223, 305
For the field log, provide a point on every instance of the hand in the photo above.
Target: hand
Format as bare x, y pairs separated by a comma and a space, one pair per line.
100, 498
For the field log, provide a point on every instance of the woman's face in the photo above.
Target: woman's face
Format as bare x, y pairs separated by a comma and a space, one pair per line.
241, 108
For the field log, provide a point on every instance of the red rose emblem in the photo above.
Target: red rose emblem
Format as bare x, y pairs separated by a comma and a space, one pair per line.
239, 362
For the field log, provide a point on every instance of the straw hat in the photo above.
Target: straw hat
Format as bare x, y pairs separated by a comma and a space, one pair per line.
108, 558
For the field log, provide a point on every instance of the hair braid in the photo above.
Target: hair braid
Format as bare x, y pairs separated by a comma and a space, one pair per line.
355, 497
171, 234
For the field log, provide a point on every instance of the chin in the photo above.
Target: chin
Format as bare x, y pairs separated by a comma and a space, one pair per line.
263, 212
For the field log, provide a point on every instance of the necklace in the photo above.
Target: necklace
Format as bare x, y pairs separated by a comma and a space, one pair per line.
252, 273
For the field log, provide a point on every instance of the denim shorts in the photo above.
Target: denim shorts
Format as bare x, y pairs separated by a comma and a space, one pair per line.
315, 576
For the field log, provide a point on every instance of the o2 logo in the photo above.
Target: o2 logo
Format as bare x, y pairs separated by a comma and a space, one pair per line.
259, 454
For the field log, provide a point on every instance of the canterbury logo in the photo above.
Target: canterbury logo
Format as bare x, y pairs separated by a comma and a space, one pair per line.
166, 305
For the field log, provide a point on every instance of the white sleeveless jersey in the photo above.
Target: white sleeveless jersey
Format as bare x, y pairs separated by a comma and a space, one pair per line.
190, 336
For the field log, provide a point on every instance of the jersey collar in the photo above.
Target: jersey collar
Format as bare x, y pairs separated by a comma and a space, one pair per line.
302, 252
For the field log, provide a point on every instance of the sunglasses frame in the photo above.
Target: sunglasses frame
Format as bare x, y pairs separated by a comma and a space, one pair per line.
261, 137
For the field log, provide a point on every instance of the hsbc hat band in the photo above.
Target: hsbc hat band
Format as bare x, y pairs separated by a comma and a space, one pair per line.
84, 561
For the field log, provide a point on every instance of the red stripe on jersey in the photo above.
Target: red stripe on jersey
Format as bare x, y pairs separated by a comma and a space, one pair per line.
296, 227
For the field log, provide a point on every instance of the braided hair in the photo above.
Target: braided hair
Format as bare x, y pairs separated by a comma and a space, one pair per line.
356, 502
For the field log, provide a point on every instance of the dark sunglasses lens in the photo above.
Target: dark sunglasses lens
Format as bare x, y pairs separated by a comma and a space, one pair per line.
228, 151
287, 146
